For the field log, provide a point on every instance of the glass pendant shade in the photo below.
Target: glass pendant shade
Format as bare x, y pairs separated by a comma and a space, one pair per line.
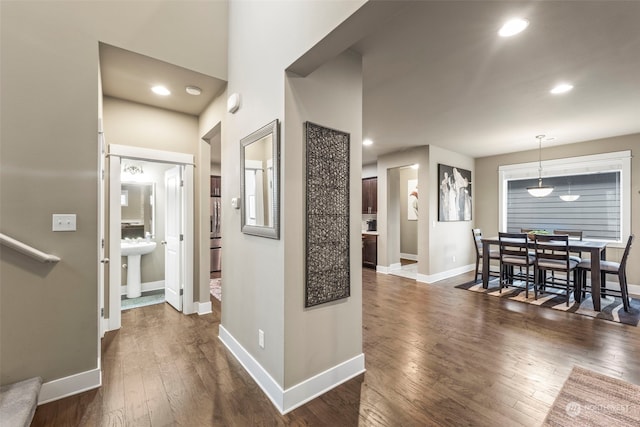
540, 190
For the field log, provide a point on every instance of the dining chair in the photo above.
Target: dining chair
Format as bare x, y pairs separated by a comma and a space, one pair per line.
608, 267
493, 254
514, 253
573, 235
552, 255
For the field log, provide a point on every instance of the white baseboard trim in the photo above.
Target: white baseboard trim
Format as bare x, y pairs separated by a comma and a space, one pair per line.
432, 278
319, 384
68, 386
634, 290
203, 307
410, 257
145, 287
382, 269
386, 270
293, 397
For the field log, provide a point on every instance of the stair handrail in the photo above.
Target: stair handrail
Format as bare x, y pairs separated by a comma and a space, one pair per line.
25, 249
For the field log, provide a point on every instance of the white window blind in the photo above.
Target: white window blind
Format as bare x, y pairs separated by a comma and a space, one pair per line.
597, 212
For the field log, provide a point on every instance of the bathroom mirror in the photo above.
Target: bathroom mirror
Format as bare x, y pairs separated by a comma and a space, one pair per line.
137, 202
259, 177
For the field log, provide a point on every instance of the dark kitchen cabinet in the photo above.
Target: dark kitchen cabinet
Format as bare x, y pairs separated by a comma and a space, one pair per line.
370, 195
369, 251
215, 186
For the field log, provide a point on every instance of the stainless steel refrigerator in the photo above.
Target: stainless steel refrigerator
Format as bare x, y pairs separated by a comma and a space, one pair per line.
216, 237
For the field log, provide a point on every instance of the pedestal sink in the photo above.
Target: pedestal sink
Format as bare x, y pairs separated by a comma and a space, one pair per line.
133, 250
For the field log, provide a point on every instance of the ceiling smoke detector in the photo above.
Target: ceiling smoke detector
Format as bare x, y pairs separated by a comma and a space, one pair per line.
193, 90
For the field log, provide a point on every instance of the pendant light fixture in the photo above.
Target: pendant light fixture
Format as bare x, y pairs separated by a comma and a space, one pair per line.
540, 190
570, 197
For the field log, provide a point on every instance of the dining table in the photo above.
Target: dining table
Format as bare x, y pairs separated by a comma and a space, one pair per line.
596, 249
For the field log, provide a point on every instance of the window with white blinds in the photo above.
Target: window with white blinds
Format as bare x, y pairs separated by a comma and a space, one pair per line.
602, 212
596, 212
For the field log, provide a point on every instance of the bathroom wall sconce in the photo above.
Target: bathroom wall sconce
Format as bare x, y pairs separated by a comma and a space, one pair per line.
132, 169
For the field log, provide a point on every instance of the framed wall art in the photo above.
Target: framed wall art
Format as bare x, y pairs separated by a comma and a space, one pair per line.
327, 261
454, 194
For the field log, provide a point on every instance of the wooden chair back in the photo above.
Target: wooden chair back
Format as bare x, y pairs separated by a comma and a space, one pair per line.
625, 255
552, 252
513, 245
477, 238
576, 234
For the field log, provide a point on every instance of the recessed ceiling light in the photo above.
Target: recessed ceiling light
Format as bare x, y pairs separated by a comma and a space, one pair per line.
193, 90
513, 27
561, 88
161, 90
367, 142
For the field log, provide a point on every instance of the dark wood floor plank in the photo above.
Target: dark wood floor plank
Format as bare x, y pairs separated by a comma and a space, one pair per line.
435, 356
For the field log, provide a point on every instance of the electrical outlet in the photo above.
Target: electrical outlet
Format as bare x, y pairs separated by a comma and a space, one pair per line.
261, 338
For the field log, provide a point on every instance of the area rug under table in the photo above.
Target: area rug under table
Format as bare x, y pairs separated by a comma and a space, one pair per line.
611, 307
588, 399
215, 287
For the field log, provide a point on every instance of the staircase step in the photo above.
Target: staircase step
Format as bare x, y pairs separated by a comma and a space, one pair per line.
18, 402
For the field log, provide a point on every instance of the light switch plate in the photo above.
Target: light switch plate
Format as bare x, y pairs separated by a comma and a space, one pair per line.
64, 222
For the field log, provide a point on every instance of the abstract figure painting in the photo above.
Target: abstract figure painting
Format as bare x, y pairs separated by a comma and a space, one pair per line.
412, 199
454, 202
327, 215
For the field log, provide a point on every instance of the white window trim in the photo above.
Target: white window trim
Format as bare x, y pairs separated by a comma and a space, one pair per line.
607, 162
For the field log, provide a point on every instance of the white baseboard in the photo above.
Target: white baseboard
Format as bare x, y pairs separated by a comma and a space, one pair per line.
382, 269
203, 307
145, 287
410, 257
293, 397
395, 266
431, 278
68, 386
386, 270
634, 290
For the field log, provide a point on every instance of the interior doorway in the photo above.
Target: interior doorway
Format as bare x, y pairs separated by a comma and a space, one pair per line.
178, 247
404, 193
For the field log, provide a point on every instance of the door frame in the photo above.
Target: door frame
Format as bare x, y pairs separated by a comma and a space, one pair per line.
116, 153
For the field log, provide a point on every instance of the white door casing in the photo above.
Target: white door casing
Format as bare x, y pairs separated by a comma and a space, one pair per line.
172, 237
116, 153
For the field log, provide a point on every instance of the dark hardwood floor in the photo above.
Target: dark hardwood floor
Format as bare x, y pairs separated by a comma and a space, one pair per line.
435, 355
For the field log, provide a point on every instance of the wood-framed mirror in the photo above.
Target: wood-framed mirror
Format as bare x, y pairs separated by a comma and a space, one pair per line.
259, 181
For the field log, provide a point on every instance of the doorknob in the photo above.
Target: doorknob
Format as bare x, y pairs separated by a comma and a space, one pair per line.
105, 261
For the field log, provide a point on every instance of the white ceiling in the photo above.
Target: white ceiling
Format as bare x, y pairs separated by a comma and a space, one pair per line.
437, 73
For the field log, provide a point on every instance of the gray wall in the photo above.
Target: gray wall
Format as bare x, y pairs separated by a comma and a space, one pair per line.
260, 288
442, 246
388, 206
448, 240
486, 186
322, 337
49, 108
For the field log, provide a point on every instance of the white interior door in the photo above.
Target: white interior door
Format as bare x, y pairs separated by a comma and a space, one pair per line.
173, 237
